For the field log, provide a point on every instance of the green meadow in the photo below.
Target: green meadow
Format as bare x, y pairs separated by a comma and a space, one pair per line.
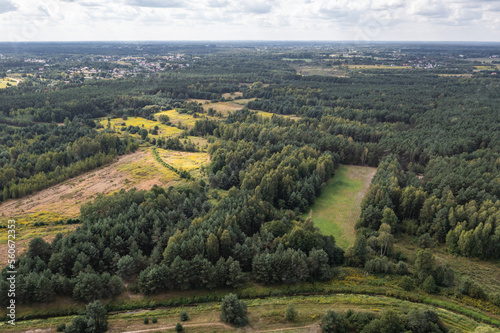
336, 210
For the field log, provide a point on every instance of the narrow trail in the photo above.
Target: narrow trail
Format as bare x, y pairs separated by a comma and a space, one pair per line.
187, 325
314, 328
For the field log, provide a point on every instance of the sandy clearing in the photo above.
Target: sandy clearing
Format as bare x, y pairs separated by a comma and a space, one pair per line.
65, 198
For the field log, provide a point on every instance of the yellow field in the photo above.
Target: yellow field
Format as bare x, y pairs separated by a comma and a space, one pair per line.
483, 68
147, 169
11, 81
163, 130
232, 95
224, 107
176, 117
200, 143
264, 114
184, 160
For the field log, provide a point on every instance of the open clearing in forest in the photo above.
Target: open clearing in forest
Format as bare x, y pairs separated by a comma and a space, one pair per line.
188, 161
62, 201
337, 209
8, 80
265, 315
224, 107
183, 118
484, 272
308, 70
163, 130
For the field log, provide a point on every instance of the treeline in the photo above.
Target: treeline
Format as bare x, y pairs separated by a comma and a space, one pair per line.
415, 116
462, 210
415, 320
173, 239
36, 157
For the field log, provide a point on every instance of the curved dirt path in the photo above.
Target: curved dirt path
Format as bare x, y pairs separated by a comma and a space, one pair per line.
164, 328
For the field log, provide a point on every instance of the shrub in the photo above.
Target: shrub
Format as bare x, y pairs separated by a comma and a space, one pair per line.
93, 319
406, 283
290, 313
332, 322
61, 327
495, 299
429, 285
425, 241
402, 268
184, 315
359, 319
146, 320
178, 327
445, 276
233, 311
472, 289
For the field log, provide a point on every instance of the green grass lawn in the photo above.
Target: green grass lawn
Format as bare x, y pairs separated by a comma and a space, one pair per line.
336, 210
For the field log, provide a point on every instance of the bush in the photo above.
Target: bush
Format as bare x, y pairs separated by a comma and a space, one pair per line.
61, 327
155, 320
93, 319
332, 322
495, 299
402, 268
233, 311
429, 285
290, 313
184, 315
445, 276
146, 320
178, 327
359, 319
472, 289
406, 283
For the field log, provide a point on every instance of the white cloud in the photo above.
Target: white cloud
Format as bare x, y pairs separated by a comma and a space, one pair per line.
258, 19
6, 6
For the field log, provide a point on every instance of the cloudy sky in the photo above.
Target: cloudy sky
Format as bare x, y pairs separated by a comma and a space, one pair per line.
432, 20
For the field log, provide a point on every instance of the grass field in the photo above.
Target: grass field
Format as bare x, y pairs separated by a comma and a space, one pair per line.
486, 273
349, 289
264, 315
184, 160
307, 70
336, 210
11, 81
184, 118
118, 123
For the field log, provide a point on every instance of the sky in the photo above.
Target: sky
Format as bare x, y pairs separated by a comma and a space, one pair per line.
333, 20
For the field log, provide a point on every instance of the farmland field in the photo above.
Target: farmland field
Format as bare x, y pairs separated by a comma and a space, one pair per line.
336, 210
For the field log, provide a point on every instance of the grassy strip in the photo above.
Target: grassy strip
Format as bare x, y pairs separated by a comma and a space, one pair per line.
253, 292
181, 173
337, 208
265, 314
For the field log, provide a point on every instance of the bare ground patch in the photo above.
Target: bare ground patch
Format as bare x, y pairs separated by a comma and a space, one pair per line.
63, 200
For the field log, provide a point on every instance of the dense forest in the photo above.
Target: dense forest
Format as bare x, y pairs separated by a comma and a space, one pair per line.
435, 140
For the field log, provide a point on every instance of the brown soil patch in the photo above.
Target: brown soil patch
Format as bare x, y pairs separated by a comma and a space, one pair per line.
66, 198
61, 201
